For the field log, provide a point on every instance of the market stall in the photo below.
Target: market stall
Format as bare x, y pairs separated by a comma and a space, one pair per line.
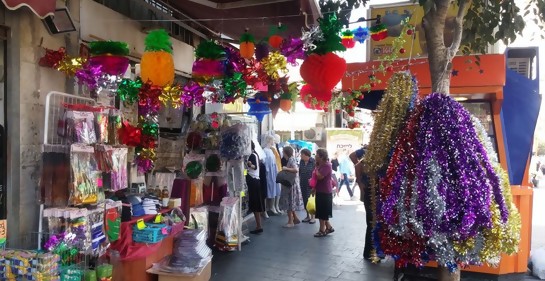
483, 88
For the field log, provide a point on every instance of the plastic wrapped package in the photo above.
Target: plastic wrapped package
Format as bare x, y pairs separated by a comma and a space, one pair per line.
28, 265
190, 253
228, 224
101, 126
86, 185
198, 218
114, 124
80, 127
55, 179
235, 142
213, 164
194, 166
236, 180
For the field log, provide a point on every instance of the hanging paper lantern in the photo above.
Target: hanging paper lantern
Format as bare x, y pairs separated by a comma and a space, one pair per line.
157, 64
259, 107
210, 63
361, 34
314, 98
247, 46
110, 56
379, 32
323, 72
347, 39
285, 104
276, 41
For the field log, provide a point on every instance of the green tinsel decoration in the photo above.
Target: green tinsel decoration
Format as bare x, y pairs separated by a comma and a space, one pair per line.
331, 28
158, 41
247, 37
210, 50
109, 47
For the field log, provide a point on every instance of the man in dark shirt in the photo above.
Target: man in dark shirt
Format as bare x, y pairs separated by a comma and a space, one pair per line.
365, 196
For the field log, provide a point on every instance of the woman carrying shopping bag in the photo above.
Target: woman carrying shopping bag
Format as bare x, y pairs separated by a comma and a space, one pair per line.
323, 190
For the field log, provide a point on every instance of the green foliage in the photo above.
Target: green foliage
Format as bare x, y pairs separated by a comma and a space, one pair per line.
157, 41
343, 8
487, 22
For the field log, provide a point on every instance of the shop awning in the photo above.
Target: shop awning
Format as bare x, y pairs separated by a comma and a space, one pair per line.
42, 8
232, 17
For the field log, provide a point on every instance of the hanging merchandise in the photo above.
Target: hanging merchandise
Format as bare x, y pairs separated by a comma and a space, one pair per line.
192, 94
86, 181
129, 135
209, 64
235, 142
261, 51
101, 126
148, 111
52, 58
247, 46
347, 39
322, 69
55, 178
444, 219
157, 65
379, 31
128, 90
213, 164
194, 165
315, 99
393, 111
259, 107
275, 65
79, 127
323, 72
292, 49
502, 237
361, 34
114, 124
289, 94
275, 40
109, 56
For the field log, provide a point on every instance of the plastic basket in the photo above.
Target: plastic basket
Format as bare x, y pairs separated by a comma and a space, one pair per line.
153, 233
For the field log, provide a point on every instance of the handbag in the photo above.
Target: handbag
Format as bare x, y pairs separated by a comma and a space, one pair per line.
286, 178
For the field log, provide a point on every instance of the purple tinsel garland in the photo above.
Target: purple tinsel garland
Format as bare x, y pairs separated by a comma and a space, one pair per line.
438, 186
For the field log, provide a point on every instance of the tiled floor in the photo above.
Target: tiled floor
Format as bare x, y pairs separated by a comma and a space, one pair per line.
295, 255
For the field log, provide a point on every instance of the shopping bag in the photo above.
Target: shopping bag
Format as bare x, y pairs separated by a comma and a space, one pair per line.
311, 205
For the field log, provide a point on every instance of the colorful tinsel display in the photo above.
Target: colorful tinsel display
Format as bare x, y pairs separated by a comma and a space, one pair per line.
502, 237
275, 65
393, 111
439, 189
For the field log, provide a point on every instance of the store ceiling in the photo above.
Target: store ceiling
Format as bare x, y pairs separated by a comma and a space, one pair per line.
232, 17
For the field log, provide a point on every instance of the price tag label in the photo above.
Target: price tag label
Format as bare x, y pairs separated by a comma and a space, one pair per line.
164, 230
158, 219
140, 224
242, 194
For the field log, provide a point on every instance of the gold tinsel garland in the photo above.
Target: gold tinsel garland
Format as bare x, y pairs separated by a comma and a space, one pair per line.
392, 113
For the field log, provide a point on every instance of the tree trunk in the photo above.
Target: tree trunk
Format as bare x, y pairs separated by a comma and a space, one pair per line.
440, 63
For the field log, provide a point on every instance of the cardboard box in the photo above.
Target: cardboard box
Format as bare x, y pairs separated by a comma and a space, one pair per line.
203, 275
